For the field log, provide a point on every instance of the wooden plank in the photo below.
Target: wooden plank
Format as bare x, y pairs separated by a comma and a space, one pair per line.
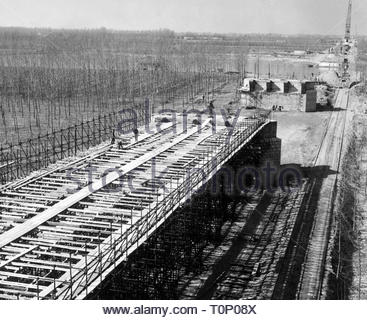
41, 266
3, 264
22, 285
24, 276
19, 292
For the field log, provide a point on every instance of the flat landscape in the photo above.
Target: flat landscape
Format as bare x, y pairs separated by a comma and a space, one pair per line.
178, 165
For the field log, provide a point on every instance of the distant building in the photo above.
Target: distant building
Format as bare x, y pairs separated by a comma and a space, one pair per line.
299, 52
290, 94
329, 65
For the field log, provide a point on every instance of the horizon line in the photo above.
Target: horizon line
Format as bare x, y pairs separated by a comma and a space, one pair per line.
174, 31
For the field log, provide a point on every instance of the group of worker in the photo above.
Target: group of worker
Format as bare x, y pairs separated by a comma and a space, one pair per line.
277, 108
120, 144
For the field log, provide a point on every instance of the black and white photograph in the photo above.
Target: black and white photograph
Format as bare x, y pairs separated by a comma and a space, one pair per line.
207, 152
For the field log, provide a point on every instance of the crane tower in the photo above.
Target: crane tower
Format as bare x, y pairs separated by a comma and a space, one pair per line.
348, 23
346, 46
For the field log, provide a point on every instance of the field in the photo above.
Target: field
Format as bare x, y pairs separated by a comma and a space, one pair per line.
52, 79
61, 93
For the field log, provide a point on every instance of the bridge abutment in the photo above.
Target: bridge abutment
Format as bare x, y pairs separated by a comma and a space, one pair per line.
260, 159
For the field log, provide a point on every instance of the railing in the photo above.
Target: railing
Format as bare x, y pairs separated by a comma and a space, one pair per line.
87, 274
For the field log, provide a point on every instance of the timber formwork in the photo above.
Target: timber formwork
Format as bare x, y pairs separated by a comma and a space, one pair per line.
62, 232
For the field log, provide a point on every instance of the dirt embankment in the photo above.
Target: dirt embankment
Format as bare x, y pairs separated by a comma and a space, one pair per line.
348, 279
344, 239
359, 285
358, 288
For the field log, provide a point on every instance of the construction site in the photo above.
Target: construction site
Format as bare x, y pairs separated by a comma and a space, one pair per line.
182, 166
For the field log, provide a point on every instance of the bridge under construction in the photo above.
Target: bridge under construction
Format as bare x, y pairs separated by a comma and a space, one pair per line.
61, 235
198, 207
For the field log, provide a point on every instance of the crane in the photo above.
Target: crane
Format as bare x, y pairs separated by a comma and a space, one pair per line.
347, 45
348, 23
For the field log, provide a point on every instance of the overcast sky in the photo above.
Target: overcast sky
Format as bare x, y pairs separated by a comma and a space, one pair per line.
222, 16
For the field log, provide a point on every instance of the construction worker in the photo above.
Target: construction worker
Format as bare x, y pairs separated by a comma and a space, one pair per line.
136, 134
113, 137
211, 108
